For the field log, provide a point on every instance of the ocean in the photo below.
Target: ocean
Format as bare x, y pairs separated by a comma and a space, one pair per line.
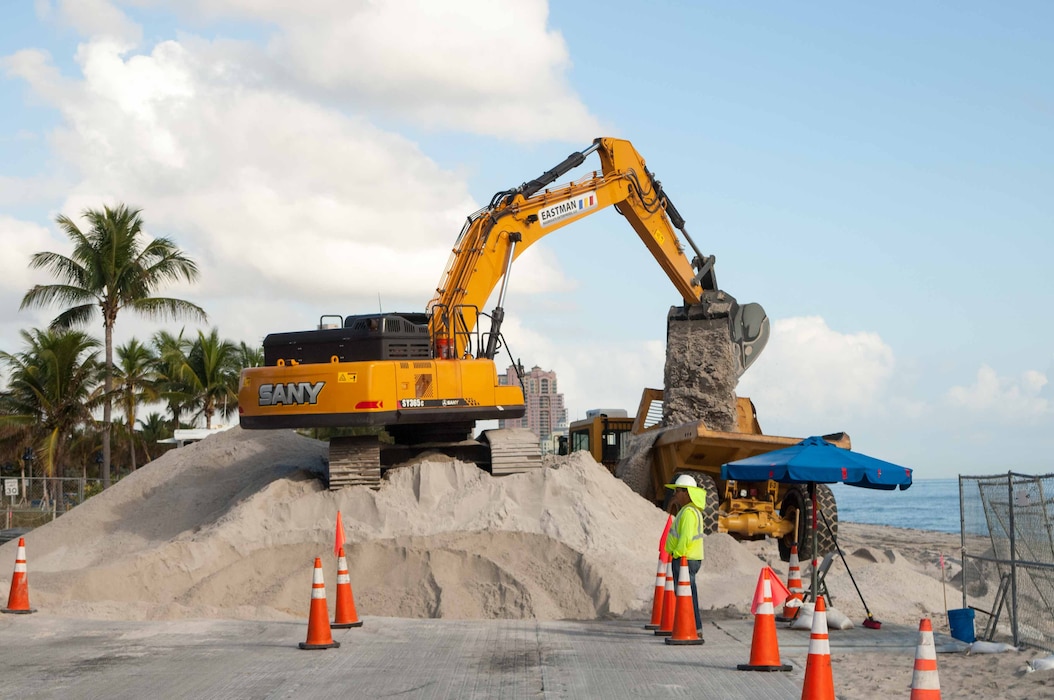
929, 504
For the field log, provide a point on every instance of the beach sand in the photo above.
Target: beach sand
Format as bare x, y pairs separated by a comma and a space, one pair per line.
228, 528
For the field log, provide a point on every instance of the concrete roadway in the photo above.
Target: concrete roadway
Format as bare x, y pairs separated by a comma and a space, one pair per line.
50, 657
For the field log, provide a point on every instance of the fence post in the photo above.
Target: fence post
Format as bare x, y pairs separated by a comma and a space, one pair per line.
962, 538
1013, 556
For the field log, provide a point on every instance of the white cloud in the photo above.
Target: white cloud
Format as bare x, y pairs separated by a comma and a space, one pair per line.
810, 379
35, 67
264, 187
814, 377
96, 18
591, 373
1003, 399
277, 196
43, 9
465, 65
20, 240
536, 271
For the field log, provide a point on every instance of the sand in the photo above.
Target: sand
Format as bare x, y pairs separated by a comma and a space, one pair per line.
229, 528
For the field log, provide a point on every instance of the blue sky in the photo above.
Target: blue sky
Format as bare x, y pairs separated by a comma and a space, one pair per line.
877, 177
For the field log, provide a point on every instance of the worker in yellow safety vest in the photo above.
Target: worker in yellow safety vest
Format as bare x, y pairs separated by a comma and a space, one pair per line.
686, 534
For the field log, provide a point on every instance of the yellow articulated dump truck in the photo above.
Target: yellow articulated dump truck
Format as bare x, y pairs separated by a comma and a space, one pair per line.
647, 455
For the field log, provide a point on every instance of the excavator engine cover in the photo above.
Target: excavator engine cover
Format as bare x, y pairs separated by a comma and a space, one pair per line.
363, 338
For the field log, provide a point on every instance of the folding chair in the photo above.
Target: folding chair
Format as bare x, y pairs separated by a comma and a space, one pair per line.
821, 580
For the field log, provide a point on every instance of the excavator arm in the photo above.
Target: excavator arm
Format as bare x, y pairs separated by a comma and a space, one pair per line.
495, 236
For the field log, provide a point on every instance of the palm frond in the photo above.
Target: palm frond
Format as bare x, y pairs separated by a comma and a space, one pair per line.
75, 316
161, 307
48, 294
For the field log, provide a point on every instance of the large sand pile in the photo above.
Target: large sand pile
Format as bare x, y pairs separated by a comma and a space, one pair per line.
229, 527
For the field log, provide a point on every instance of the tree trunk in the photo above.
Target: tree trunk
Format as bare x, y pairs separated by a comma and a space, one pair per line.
106, 407
131, 449
131, 433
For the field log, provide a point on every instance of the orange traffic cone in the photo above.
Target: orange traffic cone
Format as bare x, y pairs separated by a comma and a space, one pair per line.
669, 601
18, 599
924, 682
345, 615
819, 680
794, 585
660, 596
319, 636
660, 579
764, 647
684, 631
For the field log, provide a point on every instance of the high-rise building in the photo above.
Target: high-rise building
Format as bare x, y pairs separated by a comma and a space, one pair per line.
546, 416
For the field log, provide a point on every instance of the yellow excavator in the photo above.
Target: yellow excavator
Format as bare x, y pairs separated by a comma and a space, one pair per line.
426, 378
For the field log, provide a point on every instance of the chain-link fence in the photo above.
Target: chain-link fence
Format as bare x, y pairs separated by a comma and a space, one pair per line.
1008, 555
31, 502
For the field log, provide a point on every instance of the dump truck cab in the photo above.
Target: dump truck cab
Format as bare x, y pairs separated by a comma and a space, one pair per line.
604, 433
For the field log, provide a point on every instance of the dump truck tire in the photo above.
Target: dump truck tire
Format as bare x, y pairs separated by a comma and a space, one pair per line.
710, 511
826, 539
797, 499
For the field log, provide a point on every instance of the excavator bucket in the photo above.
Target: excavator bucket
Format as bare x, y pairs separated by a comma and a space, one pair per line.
748, 325
750, 333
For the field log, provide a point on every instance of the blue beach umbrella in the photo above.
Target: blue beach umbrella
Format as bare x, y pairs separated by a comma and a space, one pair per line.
816, 461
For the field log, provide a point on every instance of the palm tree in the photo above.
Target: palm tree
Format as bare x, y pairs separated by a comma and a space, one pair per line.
85, 448
153, 429
171, 355
136, 383
249, 356
112, 268
211, 369
52, 390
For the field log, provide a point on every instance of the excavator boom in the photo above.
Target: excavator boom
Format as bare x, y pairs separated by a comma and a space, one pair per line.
495, 236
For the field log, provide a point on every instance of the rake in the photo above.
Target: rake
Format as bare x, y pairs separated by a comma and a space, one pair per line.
870, 622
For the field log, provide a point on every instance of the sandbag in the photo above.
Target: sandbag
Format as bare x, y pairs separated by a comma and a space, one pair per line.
1044, 663
836, 620
980, 647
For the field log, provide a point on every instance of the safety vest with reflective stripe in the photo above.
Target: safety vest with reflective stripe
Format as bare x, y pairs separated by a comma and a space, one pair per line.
686, 534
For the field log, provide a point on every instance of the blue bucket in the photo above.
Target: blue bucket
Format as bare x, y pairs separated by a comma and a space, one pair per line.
961, 623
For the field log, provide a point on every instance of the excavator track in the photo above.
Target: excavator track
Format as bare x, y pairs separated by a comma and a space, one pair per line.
361, 460
512, 450
354, 461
